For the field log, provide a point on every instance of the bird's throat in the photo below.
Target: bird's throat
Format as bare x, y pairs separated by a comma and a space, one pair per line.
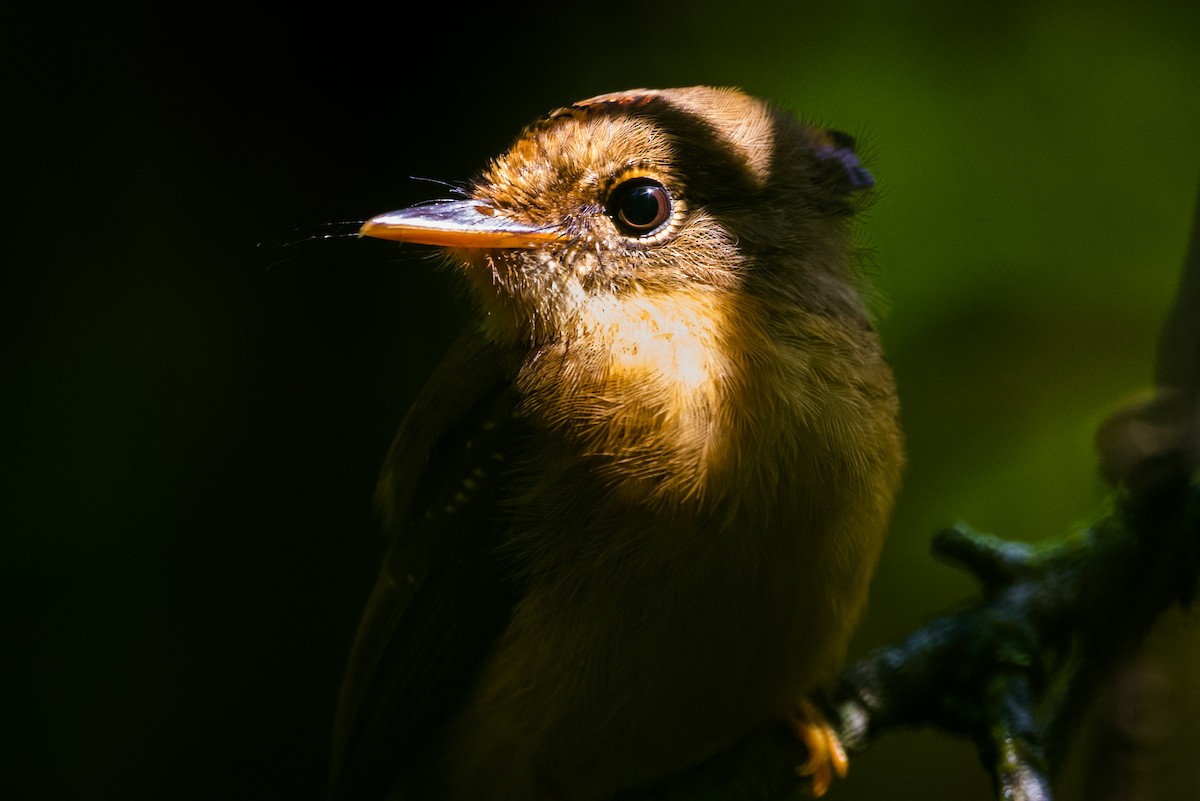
641, 386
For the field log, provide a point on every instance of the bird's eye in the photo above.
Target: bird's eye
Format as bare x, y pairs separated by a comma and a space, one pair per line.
639, 206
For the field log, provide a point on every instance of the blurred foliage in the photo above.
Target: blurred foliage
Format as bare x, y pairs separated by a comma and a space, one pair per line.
196, 412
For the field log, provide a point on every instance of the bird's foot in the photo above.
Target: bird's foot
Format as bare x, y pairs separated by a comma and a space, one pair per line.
826, 755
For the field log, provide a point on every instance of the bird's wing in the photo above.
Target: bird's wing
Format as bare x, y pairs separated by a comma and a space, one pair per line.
441, 598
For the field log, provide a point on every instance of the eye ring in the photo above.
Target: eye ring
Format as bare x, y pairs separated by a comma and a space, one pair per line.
639, 206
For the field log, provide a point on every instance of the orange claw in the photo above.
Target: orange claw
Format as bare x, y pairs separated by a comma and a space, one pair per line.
826, 755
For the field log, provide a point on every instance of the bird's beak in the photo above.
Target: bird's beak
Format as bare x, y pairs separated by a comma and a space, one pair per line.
457, 224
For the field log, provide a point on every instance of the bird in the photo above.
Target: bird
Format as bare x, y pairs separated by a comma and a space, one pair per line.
634, 513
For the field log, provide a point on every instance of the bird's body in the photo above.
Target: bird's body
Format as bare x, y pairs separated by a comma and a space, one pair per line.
636, 512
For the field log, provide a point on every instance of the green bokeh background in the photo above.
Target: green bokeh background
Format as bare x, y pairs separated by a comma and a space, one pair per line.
199, 389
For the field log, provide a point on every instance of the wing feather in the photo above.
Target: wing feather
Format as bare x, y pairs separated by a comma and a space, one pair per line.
442, 597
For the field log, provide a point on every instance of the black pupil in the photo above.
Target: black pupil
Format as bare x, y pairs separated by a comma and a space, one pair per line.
641, 206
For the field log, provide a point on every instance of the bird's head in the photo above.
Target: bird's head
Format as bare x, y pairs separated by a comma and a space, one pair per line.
643, 192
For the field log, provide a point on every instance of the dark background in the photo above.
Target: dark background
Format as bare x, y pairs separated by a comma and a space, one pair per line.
198, 389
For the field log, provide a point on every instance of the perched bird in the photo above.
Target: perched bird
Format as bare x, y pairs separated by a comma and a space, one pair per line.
635, 511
